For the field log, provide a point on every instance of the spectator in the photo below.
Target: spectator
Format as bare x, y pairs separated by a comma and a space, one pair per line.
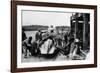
27, 46
38, 36
23, 35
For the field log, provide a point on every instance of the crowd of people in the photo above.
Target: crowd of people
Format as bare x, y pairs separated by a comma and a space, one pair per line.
52, 43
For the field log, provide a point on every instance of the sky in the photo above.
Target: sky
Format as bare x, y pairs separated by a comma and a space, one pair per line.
45, 18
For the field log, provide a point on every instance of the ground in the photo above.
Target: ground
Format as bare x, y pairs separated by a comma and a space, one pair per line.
37, 59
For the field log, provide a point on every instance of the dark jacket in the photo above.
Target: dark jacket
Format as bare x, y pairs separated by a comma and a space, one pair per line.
38, 36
